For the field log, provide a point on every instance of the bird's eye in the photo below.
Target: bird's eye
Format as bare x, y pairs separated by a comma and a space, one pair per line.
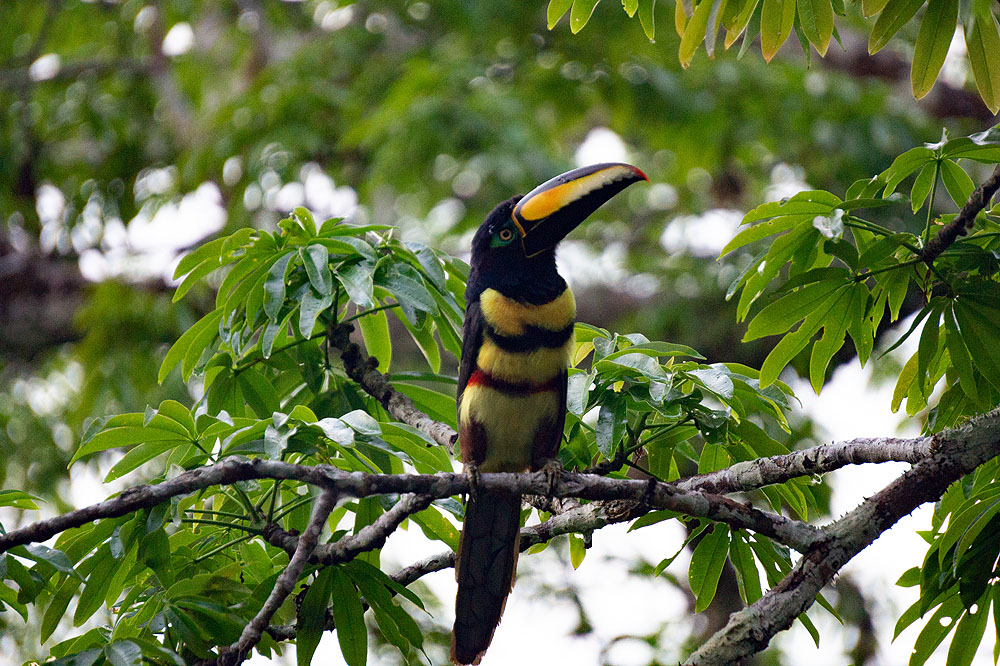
506, 234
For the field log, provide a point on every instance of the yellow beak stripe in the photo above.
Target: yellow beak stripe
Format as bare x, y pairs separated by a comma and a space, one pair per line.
545, 200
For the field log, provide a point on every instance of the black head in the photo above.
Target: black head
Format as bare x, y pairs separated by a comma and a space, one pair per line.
513, 251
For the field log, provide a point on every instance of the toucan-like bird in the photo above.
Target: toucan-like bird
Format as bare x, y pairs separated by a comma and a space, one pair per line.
517, 344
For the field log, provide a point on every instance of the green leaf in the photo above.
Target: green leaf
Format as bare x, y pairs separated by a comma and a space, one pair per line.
747, 575
982, 41
85, 658
904, 164
630, 7
96, 586
921, 186
656, 349
782, 314
957, 182
776, 22
312, 616
794, 342
375, 332
309, 310
773, 226
981, 337
207, 252
872, 7
694, 33
577, 550
580, 14
937, 27
968, 635
906, 377
610, 427
141, 455
959, 354
738, 23
274, 286
357, 282
893, 17
928, 345
835, 326
259, 393
647, 18
19, 499
816, 19
127, 436
707, 561
437, 527
316, 259
195, 338
349, 617
123, 653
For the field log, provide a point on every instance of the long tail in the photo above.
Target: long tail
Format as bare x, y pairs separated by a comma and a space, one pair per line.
487, 556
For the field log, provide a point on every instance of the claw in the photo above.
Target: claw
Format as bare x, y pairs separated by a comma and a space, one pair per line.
553, 471
472, 473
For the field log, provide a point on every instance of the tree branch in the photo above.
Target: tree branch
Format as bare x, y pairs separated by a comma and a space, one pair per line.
650, 493
350, 546
955, 453
285, 583
363, 371
761, 472
966, 217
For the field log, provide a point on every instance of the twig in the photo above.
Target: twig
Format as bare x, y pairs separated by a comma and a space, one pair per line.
966, 217
284, 585
350, 546
363, 371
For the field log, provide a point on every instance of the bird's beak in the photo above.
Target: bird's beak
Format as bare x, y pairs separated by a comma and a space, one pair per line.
549, 212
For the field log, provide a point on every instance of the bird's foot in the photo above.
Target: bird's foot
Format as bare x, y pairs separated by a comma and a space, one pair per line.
472, 474
553, 471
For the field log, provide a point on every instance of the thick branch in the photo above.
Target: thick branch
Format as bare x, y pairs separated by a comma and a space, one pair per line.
650, 493
285, 583
956, 452
960, 226
761, 472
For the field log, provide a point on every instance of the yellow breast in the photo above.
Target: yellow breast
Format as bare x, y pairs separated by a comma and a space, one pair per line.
511, 317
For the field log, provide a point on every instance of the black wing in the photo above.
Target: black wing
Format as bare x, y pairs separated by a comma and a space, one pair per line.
472, 340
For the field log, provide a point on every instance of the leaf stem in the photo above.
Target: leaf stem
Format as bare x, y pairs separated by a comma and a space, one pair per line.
219, 549
370, 311
867, 274
221, 523
227, 514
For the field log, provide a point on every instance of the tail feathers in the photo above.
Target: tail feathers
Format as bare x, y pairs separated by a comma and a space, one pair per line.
487, 557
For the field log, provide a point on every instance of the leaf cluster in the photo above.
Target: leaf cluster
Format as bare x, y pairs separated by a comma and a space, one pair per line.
773, 21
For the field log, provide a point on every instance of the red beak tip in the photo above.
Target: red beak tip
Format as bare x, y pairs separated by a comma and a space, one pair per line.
641, 174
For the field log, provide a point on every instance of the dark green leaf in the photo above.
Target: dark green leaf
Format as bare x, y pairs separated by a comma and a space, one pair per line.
274, 286
349, 618
707, 561
312, 616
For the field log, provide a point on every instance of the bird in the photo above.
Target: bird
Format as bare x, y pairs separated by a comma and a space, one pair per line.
517, 343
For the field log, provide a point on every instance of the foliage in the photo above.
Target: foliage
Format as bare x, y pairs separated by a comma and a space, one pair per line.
813, 22
405, 106
174, 577
844, 273
181, 579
